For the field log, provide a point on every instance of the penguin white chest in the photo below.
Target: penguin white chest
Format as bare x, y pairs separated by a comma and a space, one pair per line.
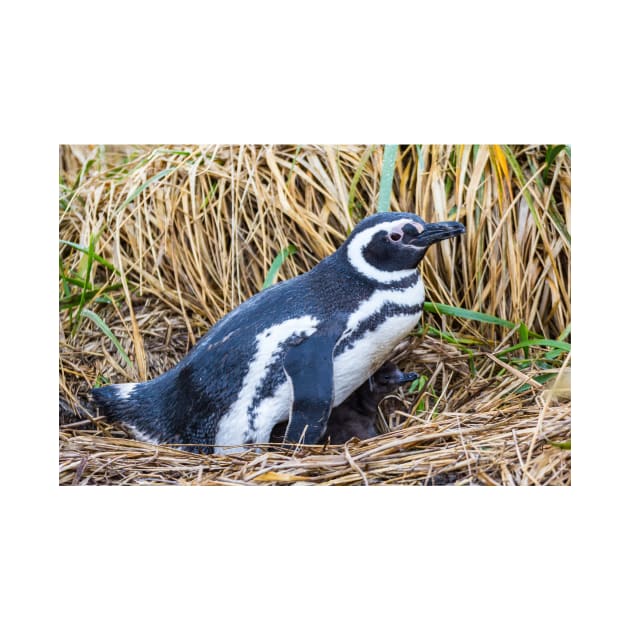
373, 331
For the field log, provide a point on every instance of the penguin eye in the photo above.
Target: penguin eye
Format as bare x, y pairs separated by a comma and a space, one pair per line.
395, 236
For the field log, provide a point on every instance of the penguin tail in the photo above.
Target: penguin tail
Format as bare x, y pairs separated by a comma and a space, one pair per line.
113, 400
120, 403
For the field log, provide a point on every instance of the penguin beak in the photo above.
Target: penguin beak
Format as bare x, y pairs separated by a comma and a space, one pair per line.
407, 377
434, 232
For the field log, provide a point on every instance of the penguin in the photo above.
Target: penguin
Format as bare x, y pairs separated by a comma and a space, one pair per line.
356, 416
292, 352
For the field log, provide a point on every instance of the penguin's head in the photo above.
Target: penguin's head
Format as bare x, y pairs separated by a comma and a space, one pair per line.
387, 246
388, 378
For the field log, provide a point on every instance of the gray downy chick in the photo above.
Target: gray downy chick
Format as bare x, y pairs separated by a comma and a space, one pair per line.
357, 415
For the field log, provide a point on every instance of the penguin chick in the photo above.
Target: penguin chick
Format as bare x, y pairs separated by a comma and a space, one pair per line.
357, 415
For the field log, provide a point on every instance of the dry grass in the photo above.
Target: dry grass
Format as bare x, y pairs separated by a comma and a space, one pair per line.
193, 231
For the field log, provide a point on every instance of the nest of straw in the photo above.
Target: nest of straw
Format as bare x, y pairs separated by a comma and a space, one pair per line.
192, 231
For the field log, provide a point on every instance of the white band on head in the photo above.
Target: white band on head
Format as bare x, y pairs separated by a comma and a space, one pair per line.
357, 260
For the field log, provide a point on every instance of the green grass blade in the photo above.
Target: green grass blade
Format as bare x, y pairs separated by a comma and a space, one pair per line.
173, 152
70, 301
565, 333
140, 188
418, 384
77, 281
86, 278
552, 153
276, 264
450, 338
444, 309
540, 378
566, 446
523, 335
387, 177
210, 196
110, 335
85, 250
554, 354
546, 343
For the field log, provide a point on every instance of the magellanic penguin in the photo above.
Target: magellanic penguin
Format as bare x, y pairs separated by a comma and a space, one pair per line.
293, 351
357, 415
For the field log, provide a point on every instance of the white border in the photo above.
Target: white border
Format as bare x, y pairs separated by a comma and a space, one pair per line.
456, 72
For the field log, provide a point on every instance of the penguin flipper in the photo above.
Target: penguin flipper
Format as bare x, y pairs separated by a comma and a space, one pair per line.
309, 367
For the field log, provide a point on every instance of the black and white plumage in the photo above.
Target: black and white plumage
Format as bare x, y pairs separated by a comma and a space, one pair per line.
357, 415
293, 351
